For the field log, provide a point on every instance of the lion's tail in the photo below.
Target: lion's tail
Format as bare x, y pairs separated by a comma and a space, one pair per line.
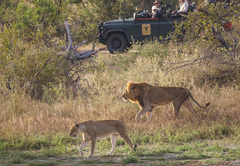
207, 104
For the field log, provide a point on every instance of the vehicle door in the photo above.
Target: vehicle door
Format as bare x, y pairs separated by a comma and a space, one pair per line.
146, 28
166, 26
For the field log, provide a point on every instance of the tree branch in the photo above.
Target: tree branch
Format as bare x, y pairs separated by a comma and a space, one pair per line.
70, 50
69, 36
220, 38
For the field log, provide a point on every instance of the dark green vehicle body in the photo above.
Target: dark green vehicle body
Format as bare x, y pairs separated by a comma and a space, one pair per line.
118, 34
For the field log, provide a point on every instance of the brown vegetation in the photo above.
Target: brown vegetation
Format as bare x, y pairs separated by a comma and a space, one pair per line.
99, 98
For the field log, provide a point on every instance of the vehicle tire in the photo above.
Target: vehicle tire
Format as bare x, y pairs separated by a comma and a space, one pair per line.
117, 42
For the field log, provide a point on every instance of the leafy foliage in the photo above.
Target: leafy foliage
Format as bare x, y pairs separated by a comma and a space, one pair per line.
40, 15
30, 29
33, 30
204, 26
213, 32
22, 62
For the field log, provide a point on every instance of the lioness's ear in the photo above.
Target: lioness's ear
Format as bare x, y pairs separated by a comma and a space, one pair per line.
76, 124
131, 87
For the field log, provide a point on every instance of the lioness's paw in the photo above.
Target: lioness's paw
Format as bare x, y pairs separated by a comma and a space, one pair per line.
110, 153
90, 156
81, 153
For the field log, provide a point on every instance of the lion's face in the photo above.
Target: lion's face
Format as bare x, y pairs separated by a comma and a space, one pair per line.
129, 92
74, 130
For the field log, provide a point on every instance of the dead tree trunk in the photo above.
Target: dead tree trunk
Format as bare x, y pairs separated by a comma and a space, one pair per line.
70, 49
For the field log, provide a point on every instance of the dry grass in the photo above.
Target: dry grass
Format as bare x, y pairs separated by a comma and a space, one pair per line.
100, 99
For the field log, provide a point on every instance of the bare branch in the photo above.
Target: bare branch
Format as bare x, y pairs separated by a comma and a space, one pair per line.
83, 55
69, 36
94, 46
204, 10
85, 41
189, 63
33, 81
220, 38
70, 49
73, 81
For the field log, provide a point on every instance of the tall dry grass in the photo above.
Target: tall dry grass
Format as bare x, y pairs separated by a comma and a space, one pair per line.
100, 92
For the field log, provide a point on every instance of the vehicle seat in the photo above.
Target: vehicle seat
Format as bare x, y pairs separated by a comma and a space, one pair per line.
161, 13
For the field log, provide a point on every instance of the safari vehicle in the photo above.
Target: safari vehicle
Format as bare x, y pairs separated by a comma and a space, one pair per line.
117, 35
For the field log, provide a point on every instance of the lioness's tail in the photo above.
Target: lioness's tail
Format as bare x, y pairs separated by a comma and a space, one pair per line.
207, 104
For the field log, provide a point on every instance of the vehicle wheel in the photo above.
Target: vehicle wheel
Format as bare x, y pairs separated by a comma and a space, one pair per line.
116, 42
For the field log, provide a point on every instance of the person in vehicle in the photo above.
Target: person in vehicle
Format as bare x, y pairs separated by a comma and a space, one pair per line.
155, 12
184, 7
180, 4
158, 4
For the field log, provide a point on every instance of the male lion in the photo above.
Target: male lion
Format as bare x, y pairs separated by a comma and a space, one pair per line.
96, 130
148, 97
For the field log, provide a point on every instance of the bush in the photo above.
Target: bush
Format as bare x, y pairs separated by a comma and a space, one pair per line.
30, 66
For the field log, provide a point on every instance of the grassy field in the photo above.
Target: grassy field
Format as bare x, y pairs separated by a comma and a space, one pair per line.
36, 132
204, 152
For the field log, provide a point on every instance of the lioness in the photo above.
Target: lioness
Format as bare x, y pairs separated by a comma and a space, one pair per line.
148, 97
96, 130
